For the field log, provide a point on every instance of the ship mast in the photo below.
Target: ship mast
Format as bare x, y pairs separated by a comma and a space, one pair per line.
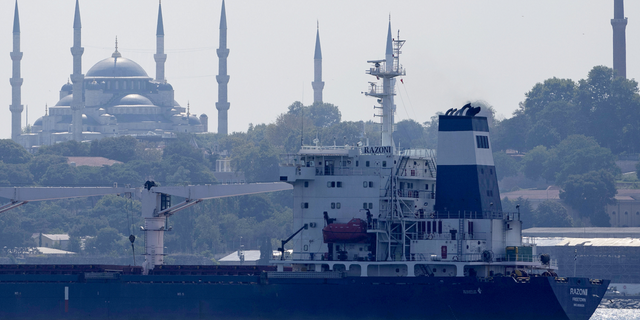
387, 69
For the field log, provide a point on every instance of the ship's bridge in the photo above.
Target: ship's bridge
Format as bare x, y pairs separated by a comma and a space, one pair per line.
312, 161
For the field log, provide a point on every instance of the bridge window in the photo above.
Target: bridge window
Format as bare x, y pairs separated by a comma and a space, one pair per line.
384, 164
306, 184
305, 205
339, 184
366, 164
482, 142
364, 184
370, 184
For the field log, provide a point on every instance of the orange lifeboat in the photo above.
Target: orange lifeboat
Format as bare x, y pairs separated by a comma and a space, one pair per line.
353, 231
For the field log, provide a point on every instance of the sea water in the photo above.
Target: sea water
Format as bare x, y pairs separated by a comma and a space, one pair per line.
616, 314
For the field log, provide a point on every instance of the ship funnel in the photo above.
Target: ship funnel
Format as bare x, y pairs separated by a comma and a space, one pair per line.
467, 185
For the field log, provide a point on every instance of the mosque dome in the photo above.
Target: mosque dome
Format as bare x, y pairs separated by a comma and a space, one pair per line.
193, 119
38, 122
116, 66
67, 87
134, 100
66, 101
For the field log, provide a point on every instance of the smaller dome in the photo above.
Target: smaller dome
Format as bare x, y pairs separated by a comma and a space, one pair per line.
135, 100
67, 87
66, 101
38, 122
194, 120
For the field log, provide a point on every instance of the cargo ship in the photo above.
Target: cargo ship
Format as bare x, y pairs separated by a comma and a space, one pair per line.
380, 233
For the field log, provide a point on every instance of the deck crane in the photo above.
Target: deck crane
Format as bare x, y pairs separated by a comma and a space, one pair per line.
156, 206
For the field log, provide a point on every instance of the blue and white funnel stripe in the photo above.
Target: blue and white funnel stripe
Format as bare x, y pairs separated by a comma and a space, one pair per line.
467, 183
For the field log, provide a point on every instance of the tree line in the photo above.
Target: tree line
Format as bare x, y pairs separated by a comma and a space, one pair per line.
568, 133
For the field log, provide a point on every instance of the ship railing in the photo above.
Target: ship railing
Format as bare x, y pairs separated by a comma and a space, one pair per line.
467, 257
447, 236
516, 257
429, 154
469, 215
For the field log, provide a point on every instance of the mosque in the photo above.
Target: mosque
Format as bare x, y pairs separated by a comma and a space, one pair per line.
118, 97
115, 97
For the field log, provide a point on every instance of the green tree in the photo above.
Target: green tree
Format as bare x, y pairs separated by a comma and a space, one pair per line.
552, 214
258, 162
324, 114
609, 108
15, 175
106, 242
39, 164
121, 148
60, 174
431, 131
68, 149
505, 165
183, 148
533, 163
13, 153
409, 134
510, 133
542, 134
589, 193
74, 245
577, 155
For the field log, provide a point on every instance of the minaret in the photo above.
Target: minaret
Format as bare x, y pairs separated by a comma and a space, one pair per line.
16, 82
77, 78
222, 105
317, 83
160, 56
619, 24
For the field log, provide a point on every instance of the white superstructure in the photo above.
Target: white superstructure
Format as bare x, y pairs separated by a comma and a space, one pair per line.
370, 210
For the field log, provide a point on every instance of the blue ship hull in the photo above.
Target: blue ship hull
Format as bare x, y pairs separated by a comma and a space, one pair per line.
131, 296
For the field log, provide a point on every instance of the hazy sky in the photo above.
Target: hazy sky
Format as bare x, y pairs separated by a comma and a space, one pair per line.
456, 50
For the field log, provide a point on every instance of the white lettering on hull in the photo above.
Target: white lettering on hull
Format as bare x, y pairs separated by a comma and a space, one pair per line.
578, 292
